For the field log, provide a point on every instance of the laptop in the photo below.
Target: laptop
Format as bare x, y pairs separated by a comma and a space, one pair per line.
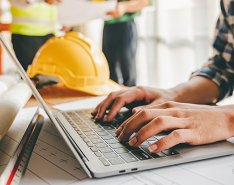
99, 152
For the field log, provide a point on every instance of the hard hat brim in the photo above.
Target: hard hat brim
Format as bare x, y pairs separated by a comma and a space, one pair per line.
108, 87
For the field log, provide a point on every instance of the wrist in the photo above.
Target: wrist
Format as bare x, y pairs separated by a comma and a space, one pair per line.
123, 6
228, 110
176, 94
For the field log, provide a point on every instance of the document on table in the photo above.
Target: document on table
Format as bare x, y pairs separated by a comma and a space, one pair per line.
11, 141
53, 163
75, 12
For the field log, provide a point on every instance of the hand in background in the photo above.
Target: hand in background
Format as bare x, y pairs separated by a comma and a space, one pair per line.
66, 28
119, 11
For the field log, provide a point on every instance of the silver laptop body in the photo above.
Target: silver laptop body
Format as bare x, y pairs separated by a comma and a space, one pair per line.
98, 150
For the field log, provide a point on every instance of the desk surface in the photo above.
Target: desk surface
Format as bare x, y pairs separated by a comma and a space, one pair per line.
58, 94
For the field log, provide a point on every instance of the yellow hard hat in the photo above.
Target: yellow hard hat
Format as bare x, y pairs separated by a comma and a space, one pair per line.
77, 63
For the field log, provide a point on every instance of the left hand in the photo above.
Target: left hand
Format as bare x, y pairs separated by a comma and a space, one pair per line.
119, 11
192, 124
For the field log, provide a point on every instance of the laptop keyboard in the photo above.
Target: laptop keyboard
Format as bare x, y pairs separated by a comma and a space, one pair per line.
102, 140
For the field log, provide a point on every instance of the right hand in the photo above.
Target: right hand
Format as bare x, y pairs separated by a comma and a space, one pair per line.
132, 98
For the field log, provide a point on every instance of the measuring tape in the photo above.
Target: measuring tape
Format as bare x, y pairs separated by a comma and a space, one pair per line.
23, 157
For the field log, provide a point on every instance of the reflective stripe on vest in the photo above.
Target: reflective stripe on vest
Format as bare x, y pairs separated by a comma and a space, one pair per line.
37, 20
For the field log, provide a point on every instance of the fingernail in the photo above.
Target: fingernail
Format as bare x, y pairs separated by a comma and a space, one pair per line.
120, 137
105, 119
152, 148
133, 141
119, 130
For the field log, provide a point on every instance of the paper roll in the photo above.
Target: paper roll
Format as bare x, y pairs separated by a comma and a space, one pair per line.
6, 82
10, 103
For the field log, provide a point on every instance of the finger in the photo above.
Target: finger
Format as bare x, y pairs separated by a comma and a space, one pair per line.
118, 101
174, 138
154, 105
142, 118
102, 107
119, 130
157, 125
131, 125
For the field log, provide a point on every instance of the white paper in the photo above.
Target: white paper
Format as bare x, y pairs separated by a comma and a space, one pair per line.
10, 104
75, 12
12, 139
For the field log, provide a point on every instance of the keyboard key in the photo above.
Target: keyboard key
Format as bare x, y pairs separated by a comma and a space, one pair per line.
95, 141
101, 145
128, 157
108, 127
86, 140
121, 150
89, 133
98, 154
82, 136
112, 132
94, 126
94, 149
152, 139
145, 143
90, 144
130, 147
116, 161
105, 150
116, 145
158, 155
107, 137
102, 133
112, 141
110, 155
104, 161
141, 155
98, 129
114, 123
79, 132
170, 152
86, 129
94, 137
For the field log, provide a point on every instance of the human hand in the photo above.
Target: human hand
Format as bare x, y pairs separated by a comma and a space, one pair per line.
192, 124
53, 1
119, 10
131, 97
66, 28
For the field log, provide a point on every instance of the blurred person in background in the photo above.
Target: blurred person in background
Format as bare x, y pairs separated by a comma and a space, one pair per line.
120, 40
33, 23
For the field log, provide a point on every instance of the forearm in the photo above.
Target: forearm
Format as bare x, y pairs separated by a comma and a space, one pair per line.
135, 5
198, 90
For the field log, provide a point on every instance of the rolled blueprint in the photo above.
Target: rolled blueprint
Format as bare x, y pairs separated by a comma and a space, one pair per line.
6, 82
10, 103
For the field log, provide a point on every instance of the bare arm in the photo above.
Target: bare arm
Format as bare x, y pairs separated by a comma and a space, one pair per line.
134, 5
198, 90
128, 7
